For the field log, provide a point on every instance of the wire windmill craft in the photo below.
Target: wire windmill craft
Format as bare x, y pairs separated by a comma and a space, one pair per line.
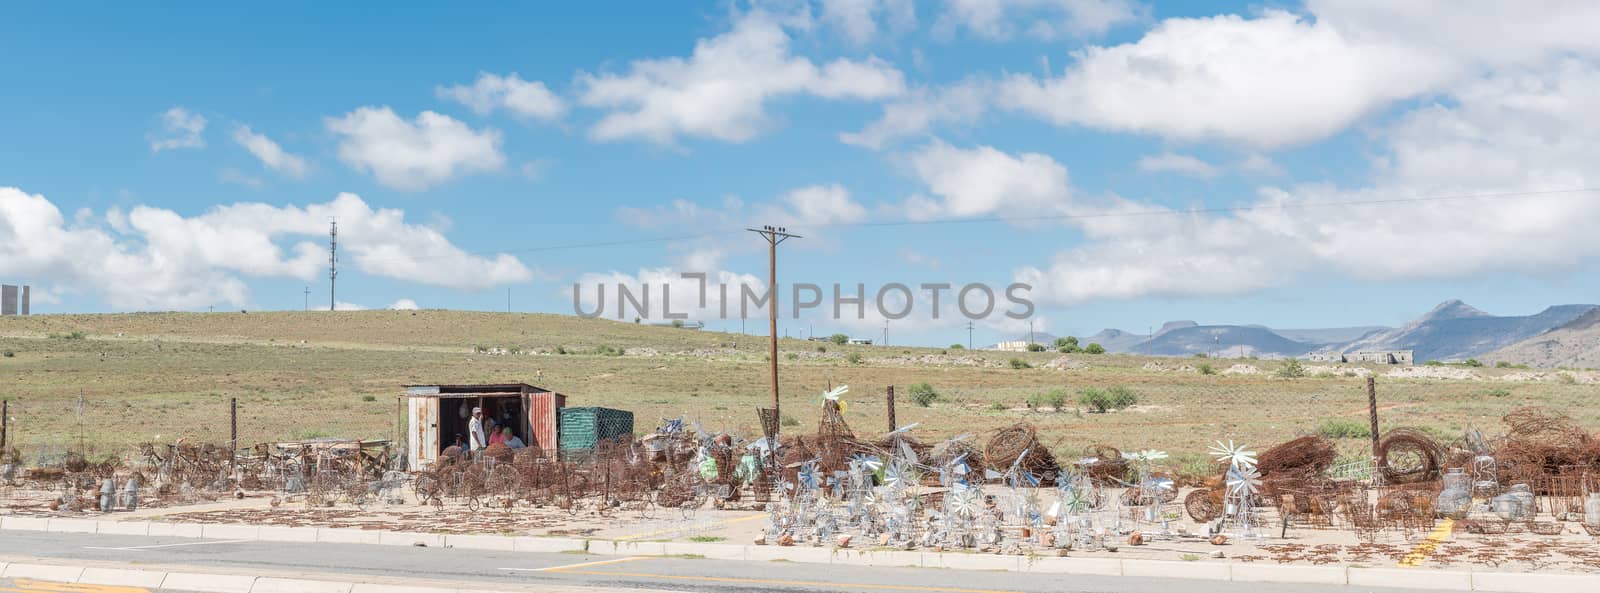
1236, 455
1243, 484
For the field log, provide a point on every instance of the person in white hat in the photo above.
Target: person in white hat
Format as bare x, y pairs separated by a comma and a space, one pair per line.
479, 440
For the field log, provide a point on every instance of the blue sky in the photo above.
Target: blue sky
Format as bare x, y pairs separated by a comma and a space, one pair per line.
191, 157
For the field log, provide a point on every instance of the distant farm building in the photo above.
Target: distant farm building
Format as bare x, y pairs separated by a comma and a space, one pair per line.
1400, 357
1012, 346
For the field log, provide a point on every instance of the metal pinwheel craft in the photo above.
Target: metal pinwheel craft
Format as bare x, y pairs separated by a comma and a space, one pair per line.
1244, 482
1236, 455
898, 474
808, 475
964, 502
1150, 455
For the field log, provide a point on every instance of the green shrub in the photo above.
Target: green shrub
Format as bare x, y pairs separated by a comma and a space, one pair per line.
839, 339
853, 358
1094, 348
997, 407
1292, 369
1066, 342
1055, 399
1567, 379
561, 349
1032, 347
1433, 363
67, 336
923, 394
1337, 428
608, 350
1069, 349
1018, 363
1206, 369
1504, 364
1498, 392
957, 347
1122, 397
1472, 362
823, 349
791, 356
1100, 401
1201, 355
369, 398
8, 354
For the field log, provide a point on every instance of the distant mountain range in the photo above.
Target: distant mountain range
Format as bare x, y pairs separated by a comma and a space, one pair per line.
1574, 344
1559, 335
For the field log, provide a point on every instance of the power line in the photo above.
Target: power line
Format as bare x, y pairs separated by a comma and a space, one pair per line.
1217, 210
1028, 218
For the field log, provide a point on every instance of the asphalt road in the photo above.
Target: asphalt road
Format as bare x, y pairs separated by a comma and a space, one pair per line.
486, 568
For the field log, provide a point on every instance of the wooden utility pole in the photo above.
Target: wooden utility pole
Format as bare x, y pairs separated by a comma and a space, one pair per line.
774, 236
892, 426
5, 423
1372, 410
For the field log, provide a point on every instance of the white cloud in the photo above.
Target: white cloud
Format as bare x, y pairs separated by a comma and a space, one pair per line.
523, 99
153, 258
857, 20
685, 293
1259, 164
413, 156
1046, 19
1282, 79
799, 209
404, 305
343, 306
816, 205
179, 129
914, 114
237, 177
1268, 81
917, 258
1170, 162
983, 181
721, 90
270, 154
1506, 133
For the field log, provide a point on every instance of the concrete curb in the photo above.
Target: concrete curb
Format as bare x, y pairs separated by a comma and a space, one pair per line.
1415, 578
157, 579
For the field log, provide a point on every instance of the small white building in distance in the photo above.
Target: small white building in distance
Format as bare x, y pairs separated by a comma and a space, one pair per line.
1012, 346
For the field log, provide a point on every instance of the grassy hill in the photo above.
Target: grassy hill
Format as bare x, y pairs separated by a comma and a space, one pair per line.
157, 377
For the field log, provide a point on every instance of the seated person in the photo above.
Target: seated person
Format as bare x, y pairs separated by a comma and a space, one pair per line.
498, 437
511, 440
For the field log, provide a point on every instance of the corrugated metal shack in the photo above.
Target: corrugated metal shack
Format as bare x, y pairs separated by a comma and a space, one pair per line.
584, 428
438, 416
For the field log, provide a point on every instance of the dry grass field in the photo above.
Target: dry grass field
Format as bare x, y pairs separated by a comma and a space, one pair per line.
158, 377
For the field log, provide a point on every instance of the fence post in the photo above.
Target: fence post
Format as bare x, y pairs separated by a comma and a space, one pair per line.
233, 431
892, 425
5, 422
1372, 410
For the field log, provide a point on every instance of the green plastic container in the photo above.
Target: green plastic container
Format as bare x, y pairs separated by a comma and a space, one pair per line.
583, 428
